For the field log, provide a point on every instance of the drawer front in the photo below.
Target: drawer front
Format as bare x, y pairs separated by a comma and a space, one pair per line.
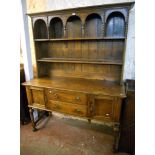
103, 109
66, 96
68, 108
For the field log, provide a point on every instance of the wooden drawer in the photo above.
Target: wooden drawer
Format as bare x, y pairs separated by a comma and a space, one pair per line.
66, 96
68, 108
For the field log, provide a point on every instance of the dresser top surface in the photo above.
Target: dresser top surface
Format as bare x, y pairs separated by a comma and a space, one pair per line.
80, 85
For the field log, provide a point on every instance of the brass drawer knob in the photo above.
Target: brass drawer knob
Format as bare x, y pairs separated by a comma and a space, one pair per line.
56, 96
53, 94
77, 98
78, 111
107, 114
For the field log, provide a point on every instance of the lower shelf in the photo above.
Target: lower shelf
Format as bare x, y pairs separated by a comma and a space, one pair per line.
83, 61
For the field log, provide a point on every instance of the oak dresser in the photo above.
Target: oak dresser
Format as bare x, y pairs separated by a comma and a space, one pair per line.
80, 59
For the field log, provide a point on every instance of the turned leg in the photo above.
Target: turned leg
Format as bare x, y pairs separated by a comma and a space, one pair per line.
116, 129
32, 119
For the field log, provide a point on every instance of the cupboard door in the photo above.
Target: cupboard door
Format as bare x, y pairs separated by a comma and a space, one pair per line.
38, 97
103, 108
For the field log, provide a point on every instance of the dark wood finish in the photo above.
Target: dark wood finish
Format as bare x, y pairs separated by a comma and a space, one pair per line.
116, 136
127, 138
79, 55
73, 27
82, 61
24, 110
93, 26
70, 39
115, 25
56, 28
40, 29
32, 119
34, 122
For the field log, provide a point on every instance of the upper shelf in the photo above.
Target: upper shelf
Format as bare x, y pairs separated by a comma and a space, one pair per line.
83, 61
72, 39
90, 26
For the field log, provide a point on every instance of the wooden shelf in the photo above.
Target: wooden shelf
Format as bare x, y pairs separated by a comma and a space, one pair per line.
83, 61
74, 39
114, 38
41, 40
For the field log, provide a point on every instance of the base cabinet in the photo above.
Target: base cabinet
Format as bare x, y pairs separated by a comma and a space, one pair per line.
89, 106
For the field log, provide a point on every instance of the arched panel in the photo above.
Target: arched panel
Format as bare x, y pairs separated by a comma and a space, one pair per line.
74, 27
124, 12
93, 26
115, 25
56, 28
40, 29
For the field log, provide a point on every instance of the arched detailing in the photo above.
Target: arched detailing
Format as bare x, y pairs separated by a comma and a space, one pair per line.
124, 12
44, 18
73, 17
56, 28
97, 14
40, 29
115, 25
93, 25
74, 27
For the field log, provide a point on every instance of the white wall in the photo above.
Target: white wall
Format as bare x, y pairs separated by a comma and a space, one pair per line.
25, 42
47, 5
129, 66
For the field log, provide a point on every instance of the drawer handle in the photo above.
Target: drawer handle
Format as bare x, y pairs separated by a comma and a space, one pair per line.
107, 115
78, 111
77, 98
56, 96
